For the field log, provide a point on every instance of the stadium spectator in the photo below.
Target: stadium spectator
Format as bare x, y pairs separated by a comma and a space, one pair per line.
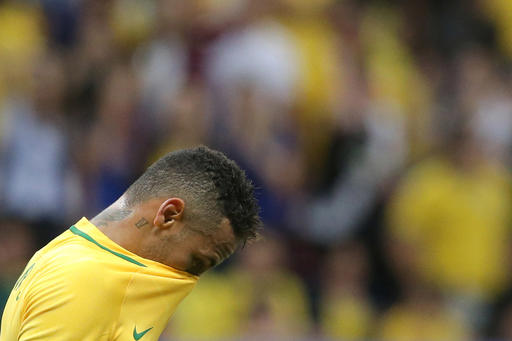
346, 310
38, 182
278, 304
16, 248
22, 37
453, 211
422, 315
115, 146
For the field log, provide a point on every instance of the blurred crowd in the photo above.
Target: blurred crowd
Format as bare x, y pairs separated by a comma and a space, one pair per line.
378, 134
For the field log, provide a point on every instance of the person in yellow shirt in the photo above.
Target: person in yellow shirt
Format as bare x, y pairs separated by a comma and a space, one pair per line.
453, 210
346, 312
422, 315
121, 275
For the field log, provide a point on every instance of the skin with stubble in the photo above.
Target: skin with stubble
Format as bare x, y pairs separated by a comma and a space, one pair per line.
155, 230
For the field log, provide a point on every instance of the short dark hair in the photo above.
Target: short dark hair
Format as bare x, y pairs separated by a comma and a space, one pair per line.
212, 186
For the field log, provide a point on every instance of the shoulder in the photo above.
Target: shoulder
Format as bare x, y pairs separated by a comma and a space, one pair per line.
72, 276
430, 167
428, 175
71, 301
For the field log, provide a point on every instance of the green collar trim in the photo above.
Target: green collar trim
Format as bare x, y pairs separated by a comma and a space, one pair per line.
89, 238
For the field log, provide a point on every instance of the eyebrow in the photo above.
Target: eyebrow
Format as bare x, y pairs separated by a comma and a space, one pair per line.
196, 266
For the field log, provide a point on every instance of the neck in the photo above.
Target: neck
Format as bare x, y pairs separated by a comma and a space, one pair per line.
123, 225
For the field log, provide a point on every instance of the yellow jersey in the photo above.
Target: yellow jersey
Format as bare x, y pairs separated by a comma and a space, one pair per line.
83, 286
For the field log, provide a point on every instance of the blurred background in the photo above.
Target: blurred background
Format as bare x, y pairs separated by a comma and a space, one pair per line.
379, 135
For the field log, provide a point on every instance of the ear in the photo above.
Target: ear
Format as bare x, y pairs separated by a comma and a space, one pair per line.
170, 211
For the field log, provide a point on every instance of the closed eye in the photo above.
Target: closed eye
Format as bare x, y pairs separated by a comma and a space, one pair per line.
213, 262
197, 266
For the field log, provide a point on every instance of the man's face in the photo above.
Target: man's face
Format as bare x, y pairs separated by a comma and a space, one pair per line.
200, 250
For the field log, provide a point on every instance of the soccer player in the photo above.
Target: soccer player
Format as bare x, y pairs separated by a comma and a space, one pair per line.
121, 275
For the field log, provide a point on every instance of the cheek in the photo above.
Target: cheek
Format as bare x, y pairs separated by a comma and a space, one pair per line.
182, 260
196, 243
189, 247
175, 252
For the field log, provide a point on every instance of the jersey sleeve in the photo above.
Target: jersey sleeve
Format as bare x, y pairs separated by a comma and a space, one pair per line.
78, 301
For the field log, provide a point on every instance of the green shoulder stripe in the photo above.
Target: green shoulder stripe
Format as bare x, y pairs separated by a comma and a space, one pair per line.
89, 238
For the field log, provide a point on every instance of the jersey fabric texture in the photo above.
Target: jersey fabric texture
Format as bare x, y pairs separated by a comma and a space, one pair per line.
83, 286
